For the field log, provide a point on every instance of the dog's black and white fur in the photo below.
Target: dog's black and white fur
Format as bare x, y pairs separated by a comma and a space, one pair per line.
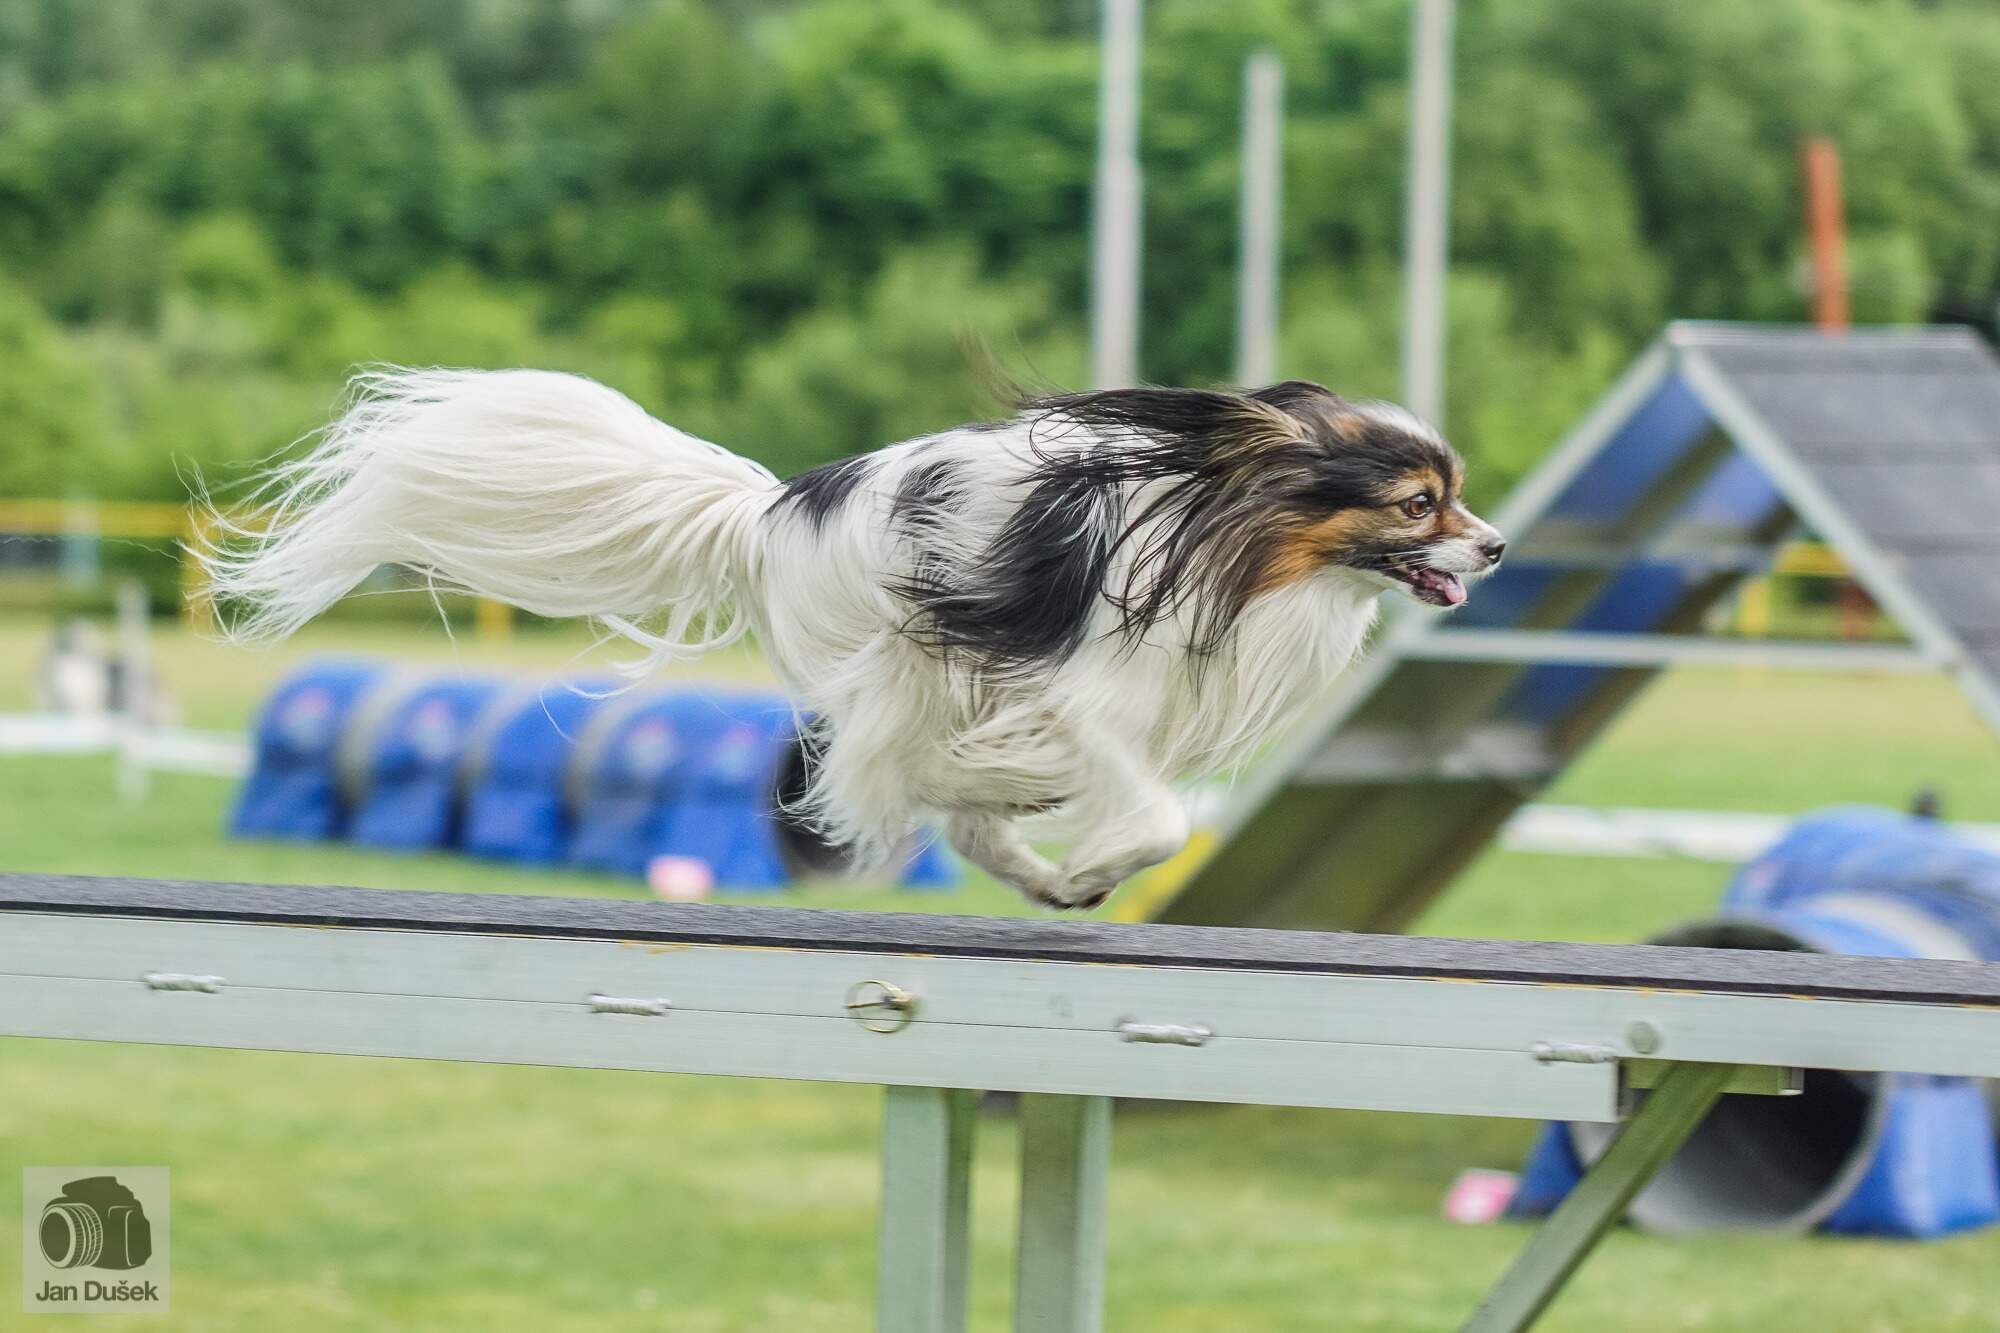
1060, 612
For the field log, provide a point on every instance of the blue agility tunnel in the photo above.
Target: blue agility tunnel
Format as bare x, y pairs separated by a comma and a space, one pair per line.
555, 773
516, 771
294, 788
1863, 1154
632, 765
401, 756
709, 777
725, 815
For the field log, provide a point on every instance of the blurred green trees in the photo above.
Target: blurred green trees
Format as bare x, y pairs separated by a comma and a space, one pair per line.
809, 227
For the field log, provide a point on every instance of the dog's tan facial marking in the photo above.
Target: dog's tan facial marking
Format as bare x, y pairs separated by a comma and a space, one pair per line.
1310, 547
1338, 538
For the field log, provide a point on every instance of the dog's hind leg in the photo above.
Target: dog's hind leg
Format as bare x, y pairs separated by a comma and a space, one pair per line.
992, 842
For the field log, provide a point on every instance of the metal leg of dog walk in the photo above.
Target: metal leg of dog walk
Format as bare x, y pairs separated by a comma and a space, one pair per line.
1669, 1114
1059, 1265
926, 1210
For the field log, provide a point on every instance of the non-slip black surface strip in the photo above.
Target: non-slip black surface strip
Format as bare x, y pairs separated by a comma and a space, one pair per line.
1072, 941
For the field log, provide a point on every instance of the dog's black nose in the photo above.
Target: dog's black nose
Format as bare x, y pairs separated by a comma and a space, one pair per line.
1494, 550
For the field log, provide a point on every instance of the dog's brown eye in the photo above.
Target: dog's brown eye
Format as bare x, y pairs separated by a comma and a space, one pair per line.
1419, 506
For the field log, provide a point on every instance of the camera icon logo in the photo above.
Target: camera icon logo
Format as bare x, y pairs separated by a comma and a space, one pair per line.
96, 1223
95, 1239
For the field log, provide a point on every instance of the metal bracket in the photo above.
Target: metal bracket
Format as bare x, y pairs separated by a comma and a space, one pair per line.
1164, 1034
207, 985
1572, 1053
642, 1008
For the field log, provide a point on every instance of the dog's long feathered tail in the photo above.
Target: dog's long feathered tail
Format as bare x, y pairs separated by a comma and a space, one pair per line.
543, 490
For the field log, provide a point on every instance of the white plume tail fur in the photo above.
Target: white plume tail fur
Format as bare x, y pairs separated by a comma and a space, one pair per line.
547, 491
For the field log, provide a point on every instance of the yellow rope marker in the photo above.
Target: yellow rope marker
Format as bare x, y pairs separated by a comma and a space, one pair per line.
107, 518
494, 621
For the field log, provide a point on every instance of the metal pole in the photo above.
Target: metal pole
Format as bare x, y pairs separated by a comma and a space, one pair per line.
1114, 303
926, 1210
1426, 202
1059, 1264
1670, 1113
1257, 272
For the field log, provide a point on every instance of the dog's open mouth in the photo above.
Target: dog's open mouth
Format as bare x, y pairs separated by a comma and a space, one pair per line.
1426, 585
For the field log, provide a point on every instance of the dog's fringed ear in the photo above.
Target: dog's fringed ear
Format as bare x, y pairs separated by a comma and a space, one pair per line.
1320, 412
1192, 432
1299, 395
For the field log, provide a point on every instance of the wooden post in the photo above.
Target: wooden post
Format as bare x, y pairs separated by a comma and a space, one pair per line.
1826, 232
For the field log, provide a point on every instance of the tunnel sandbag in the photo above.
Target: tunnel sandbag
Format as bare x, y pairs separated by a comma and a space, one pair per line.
294, 789
1881, 1154
515, 771
402, 756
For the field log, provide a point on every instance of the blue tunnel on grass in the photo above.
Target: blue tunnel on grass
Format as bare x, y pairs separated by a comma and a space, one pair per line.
1853, 1153
709, 777
519, 803
401, 759
634, 764
546, 773
725, 816
294, 787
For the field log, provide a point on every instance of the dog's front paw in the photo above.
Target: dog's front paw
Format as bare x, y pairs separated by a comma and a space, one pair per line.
1080, 893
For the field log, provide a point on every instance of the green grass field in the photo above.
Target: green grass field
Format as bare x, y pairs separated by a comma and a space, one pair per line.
313, 1193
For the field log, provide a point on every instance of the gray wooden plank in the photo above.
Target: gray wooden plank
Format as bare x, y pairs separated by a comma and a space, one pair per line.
1082, 941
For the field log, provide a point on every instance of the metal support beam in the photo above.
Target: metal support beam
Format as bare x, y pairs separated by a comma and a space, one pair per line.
1589, 648
1426, 209
1115, 232
1257, 259
1065, 1155
1497, 752
1556, 1250
926, 1210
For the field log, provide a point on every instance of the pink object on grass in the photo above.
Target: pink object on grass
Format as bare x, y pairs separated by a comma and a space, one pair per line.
680, 878
1478, 1197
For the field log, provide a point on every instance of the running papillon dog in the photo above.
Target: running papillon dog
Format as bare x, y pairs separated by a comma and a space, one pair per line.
1062, 612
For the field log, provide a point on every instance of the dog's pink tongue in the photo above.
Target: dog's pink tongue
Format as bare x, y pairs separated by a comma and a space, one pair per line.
1453, 588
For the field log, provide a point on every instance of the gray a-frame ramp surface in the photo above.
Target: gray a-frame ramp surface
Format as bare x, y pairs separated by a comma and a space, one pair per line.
1719, 443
